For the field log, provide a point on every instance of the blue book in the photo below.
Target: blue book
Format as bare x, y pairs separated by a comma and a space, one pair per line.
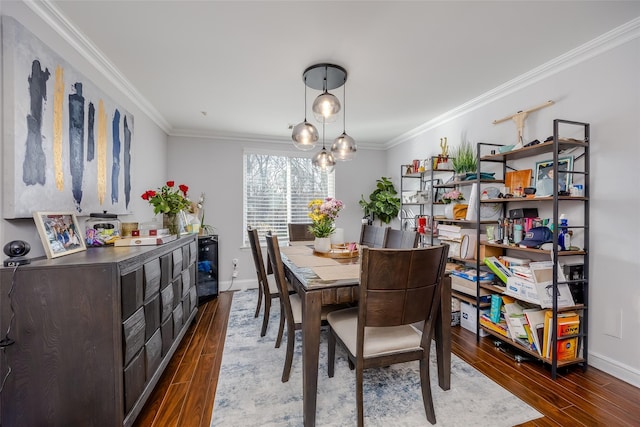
496, 303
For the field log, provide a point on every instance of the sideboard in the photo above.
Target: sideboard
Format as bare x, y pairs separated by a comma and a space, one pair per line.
87, 336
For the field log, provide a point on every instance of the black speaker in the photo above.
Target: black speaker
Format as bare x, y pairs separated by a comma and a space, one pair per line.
16, 251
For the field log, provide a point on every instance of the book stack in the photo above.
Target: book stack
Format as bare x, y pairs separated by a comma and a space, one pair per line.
466, 281
568, 329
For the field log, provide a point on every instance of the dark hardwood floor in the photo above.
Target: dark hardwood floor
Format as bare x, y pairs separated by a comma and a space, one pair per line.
185, 394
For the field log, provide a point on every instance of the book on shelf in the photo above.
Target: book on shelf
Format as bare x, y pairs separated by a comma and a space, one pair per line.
568, 325
496, 305
449, 228
471, 274
535, 319
498, 268
500, 327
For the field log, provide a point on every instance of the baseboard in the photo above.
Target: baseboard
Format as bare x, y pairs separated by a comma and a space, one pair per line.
238, 285
613, 367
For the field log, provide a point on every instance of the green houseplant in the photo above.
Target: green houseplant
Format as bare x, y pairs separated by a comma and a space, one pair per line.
383, 202
464, 158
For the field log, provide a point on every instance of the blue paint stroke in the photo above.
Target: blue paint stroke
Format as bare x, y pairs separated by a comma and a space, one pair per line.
115, 169
33, 167
127, 162
76, 143
91, 141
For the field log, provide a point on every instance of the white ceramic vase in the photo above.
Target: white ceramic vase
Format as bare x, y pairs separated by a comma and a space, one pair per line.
448, 210
322, 244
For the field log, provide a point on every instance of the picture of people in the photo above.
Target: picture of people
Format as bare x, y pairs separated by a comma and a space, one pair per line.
59, 233
544, 176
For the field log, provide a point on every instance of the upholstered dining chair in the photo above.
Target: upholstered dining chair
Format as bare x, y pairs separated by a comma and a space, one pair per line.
402, 239
300, 234
398, 288
267, 287
290, 304
373, 236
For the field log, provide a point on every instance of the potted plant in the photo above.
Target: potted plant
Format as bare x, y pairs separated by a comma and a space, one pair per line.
464, 160
383, 203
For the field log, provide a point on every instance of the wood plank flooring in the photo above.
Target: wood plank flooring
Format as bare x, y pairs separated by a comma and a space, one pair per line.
185, 394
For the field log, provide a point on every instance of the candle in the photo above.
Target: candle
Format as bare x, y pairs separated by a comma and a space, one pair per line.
337, 238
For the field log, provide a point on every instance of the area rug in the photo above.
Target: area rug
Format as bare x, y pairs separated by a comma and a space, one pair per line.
250, 391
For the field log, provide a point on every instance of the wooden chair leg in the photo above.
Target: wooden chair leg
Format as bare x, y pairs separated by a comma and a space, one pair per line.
427, 398
331, 350
281, 327
259, 300
265, 320
291, 339
359, 398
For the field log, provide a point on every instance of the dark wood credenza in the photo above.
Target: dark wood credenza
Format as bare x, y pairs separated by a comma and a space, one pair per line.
93, 332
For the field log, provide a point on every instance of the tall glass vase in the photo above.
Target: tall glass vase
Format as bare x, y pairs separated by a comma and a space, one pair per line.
170, 221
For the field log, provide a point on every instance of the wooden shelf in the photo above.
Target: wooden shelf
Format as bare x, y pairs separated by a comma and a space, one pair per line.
539, 251
467, 298
545, 147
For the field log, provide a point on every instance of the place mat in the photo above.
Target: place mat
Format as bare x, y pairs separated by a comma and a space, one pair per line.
311, 260
296, 250
349, 271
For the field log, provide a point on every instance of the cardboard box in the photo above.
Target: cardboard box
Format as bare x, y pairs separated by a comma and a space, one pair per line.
538, 293
468, 319
467, 287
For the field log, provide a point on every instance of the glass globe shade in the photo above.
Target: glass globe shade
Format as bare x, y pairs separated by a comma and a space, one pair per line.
326, 108
324, 161
344, 148
305, 135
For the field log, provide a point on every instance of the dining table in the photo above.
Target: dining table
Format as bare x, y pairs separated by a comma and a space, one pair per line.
322, 279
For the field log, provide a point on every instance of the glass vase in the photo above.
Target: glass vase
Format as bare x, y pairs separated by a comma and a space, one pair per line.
170, 221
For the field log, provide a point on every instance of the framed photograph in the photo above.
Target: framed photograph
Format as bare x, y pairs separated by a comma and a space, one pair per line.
430, 192
544, 176
59, 232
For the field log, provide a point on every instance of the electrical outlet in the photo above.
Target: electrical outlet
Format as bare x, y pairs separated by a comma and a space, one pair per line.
235, 273
235, 263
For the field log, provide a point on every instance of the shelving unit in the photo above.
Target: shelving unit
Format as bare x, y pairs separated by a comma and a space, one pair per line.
423, 184
557, 146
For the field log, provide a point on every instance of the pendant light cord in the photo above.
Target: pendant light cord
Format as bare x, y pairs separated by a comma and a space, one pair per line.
344, 106
305, 99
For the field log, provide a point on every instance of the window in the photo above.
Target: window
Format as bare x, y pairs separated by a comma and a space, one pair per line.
277, 190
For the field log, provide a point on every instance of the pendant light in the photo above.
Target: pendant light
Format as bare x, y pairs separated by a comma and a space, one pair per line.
305, 135
324, 160
344, 147
326, 107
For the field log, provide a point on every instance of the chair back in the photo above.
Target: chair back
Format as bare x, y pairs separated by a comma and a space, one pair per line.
402, 239
373, 236
258, 260
300, 233
273, 250
401, 287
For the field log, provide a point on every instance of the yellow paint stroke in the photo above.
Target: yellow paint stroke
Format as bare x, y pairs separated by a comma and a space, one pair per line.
102, 152
58, 109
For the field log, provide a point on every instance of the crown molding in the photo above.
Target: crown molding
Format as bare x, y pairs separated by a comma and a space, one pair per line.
595, 47
52, 16
248, 138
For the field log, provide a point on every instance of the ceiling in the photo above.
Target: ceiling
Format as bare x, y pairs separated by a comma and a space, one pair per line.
234, 68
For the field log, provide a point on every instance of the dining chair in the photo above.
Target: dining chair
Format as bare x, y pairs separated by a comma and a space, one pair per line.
402, 239
373, 236
398, 288
267, 287
290, 304
300, 234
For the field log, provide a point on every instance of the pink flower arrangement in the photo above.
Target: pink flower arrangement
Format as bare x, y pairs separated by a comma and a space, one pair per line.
451, 196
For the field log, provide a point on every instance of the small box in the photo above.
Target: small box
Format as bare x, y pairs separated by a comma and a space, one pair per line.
455, 318
523, 213
468, 319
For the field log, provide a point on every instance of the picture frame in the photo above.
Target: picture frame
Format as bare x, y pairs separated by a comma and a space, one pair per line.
431, 190
542, 170
60, 233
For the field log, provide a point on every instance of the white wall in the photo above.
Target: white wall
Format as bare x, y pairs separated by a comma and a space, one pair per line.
148, 150
605, 92
215, 167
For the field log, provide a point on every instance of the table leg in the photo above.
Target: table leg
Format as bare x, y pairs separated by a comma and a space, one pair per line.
443, 336
311, 307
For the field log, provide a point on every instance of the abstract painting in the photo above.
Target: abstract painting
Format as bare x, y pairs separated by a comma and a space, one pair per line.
67, 146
